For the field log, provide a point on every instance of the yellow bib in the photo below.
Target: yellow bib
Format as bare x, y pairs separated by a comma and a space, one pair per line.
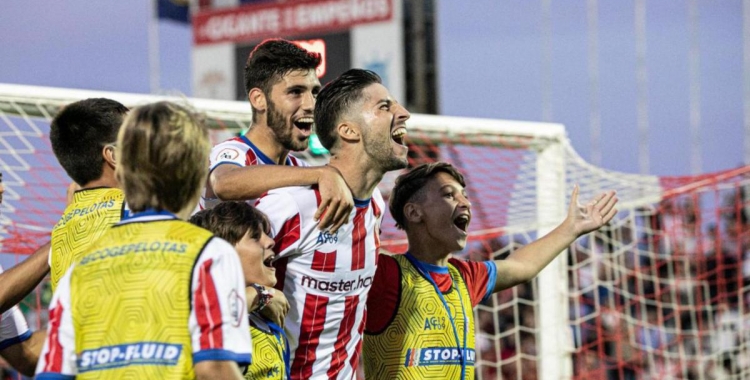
420, 343
130, 301
84, 221
268, 352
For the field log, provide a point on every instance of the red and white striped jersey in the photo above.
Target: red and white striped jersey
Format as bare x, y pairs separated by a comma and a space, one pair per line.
326, 278
242, 152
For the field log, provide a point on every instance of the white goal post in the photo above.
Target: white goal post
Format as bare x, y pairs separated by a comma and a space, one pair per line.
586, 313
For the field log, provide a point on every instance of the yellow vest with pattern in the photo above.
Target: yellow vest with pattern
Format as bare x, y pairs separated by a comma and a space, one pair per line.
268, 353
419, 343
130, 301
84, 221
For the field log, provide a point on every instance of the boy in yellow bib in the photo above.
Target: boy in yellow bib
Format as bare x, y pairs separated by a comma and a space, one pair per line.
420, 323
247, 229
155, 297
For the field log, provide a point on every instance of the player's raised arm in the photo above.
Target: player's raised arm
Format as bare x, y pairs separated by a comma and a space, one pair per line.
525, 263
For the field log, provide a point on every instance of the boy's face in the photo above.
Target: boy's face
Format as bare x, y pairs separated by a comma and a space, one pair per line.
255, 256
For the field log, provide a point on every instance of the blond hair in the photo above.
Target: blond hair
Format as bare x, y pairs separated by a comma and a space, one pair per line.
162, 157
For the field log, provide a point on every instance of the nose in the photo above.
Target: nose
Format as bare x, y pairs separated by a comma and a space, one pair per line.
402, 114
308, 101
464, 202
269, 242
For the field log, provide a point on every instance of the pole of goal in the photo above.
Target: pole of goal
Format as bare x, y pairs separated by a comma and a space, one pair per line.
554, 339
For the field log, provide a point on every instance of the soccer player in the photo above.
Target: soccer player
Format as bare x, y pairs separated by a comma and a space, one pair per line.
155, 297
326, 275
83, 138
281, 86
424, 324
247, 229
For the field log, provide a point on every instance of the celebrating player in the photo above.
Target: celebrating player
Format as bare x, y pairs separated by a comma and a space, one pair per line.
281, 86
326, 275
155, 297
247, 229
83, 138
424, 325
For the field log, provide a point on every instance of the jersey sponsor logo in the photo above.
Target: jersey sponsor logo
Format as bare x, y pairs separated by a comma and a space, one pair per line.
434, 323
139, 353
228, 154
83, 211
438, 356
325, 237
152, 246
337, 286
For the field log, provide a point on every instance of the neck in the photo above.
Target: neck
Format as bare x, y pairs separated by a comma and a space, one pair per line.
426, 251
359, 175
106, 180
263, 137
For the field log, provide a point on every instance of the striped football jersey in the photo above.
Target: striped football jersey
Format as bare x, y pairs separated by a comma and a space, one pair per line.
326, 278
239, 151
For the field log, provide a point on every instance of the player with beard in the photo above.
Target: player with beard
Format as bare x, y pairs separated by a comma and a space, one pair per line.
327, 275
281, 86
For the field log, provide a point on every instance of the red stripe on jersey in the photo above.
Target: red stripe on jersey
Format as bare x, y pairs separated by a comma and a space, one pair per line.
316, 190
345, 335
207, 309
375, 208
293, 160
280, 266
250, 157
324, 262
288, 234
313, 322
354, 362
359, 233
53, 358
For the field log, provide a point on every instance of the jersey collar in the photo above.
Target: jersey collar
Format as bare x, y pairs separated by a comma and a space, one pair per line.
261, 156
148, 215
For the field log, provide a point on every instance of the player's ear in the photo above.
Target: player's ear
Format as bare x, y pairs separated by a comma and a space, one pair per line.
257, 99
348, 132
108, 152
413, 213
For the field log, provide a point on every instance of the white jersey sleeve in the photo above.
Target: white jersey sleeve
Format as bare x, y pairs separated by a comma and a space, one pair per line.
13, 327
218, 316
58, 357
228, 152
286, 221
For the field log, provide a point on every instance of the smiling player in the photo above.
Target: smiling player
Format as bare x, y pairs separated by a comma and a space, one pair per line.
281, 86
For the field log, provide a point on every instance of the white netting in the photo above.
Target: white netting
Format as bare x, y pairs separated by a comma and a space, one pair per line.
645, 297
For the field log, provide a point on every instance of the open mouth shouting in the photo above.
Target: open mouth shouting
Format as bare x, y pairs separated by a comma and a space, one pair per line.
462, 223
398, 135
304, 124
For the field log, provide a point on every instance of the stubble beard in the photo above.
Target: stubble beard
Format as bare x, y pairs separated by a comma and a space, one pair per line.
278, 125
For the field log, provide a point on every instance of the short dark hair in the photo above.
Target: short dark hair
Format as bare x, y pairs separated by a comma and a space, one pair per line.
335, 99
80, 131
232, 220
409, 186
274, 58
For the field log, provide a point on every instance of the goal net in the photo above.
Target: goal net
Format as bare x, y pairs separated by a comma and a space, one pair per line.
662, 292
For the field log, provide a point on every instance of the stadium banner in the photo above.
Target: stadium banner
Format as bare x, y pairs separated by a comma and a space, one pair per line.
252, 22
344, 30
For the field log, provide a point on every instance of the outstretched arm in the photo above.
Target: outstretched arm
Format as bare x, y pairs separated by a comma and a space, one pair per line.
525, 263
19, 281
24, 356
231, 182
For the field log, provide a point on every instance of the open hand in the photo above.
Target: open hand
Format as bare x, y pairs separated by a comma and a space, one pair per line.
594, 214
336, 200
